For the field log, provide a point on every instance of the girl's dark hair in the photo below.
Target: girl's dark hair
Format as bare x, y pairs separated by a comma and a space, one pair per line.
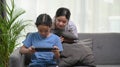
63, 12
44, 19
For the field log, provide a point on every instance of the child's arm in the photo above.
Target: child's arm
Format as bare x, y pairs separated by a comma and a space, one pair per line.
25, 50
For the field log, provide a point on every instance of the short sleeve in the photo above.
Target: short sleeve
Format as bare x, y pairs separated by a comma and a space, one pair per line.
28, 41
59, 44
71, 27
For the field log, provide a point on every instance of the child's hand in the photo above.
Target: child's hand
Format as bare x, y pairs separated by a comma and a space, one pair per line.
31, 50
56, 52
62, 38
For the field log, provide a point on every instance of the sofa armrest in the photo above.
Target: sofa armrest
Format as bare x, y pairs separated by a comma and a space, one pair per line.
16, 59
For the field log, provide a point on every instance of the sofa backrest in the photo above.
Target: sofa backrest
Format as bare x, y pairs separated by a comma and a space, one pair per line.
106, 47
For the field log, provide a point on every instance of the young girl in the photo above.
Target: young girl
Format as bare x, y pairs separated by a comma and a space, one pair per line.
42, 38
62, 21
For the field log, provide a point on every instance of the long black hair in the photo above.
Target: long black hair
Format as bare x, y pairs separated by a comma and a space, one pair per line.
43, 19
63, 12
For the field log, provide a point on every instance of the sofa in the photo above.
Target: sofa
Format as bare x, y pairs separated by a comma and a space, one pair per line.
105, 47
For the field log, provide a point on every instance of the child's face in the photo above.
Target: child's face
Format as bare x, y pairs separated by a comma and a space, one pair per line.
44, 30
61, 22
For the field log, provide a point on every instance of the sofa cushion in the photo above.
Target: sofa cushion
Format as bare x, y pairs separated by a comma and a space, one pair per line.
76, 54
87, 42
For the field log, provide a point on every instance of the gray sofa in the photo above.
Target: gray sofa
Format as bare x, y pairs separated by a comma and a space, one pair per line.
105, 46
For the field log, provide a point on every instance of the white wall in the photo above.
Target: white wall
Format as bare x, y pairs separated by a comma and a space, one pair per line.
89, 16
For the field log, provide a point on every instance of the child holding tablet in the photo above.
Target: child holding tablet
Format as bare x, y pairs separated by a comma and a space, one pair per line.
42, 38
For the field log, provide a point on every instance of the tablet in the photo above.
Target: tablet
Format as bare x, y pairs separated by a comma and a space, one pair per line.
44, 49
